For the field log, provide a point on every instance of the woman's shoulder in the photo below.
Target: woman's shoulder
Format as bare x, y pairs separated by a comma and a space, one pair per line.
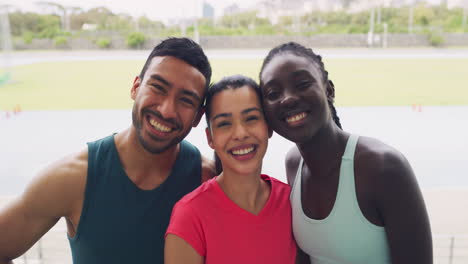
377, 154
199, 195
277, 186
382, 165
292, 161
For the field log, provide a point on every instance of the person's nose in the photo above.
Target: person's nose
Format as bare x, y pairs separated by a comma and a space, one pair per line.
240, 132
168, 109
289, 99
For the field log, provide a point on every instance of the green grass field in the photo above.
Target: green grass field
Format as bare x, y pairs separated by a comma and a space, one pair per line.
359, 82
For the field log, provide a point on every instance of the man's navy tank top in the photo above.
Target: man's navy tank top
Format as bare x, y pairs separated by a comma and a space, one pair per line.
120, 223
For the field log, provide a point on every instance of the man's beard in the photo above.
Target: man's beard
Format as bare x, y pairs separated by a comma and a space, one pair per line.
138, 124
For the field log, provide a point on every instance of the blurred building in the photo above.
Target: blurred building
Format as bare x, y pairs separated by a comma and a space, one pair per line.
274, 9
208, 11
231, 10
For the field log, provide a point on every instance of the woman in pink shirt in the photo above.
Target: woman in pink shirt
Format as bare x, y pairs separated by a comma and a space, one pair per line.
240, 216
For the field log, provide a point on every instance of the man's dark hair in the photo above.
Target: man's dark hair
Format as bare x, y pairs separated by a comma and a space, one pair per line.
230, 82
184, 49
301, 51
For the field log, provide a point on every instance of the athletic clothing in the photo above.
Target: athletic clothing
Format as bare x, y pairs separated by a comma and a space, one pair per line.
345, 236
222, 232
121, 223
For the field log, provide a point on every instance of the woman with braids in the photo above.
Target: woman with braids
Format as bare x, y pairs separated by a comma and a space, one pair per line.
354, 199
240, 216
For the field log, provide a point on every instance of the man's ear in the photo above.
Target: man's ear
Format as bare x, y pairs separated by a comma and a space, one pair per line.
198, 117
330, 91
209, 138
135, 86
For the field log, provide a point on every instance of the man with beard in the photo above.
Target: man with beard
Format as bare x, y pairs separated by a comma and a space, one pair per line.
117, 194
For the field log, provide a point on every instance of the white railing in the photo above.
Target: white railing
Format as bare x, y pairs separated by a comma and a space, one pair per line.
53, 248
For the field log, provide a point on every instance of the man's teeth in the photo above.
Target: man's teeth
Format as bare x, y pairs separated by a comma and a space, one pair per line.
159, 126
295, 118
242, 151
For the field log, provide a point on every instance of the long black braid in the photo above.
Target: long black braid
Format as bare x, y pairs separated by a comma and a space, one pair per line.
301, 51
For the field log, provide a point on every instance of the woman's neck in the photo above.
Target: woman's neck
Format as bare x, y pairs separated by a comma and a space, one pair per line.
248, 191
327, 145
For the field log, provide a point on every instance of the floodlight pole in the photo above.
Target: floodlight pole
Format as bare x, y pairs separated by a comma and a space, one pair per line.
464, 15
196, 33
379, 14
64, 10
6, 39
370, 35
410, 19
385, 36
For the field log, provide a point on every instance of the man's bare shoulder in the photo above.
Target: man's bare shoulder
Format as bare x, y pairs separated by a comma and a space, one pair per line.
68, 169
56, 192
60, 186
208, 168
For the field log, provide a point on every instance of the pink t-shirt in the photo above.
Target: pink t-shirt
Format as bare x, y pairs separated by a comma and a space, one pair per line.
222, 232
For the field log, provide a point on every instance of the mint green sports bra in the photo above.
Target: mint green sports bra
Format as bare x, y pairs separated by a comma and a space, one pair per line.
345, 235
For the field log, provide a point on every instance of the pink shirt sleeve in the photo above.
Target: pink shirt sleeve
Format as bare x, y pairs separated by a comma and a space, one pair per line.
186, 224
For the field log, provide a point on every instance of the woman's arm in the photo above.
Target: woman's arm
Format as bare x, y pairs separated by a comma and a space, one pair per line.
178, 251
301, 257
402, 207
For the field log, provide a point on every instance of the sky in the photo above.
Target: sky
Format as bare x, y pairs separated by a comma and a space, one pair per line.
154, 9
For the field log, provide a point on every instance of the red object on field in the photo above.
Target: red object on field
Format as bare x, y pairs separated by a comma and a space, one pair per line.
417, 107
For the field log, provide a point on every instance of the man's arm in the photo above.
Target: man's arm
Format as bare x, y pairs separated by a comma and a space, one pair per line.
402, 207
55, 192
178, 251
208, 169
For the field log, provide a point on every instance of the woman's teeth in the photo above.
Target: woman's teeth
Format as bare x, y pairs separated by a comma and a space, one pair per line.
242, 151
296, 118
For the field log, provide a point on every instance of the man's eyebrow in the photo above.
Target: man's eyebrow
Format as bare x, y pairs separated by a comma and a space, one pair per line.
161, 79
248, 110
192, 94
221, 115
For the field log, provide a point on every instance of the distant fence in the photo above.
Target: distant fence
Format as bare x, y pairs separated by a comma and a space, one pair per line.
450, 249
53, 248
264, 42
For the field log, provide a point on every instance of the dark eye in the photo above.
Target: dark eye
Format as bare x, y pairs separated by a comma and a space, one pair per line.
303, 85
272, 95
252, 117
223, 124
159, 88
187, 101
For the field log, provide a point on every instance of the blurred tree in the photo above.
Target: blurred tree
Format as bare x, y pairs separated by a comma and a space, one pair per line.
244, 20
150, 27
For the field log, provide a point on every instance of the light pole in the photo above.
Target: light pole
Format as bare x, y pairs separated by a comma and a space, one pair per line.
64, 13
370, 35
6, 43
465, 7
196, 33
410, 18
